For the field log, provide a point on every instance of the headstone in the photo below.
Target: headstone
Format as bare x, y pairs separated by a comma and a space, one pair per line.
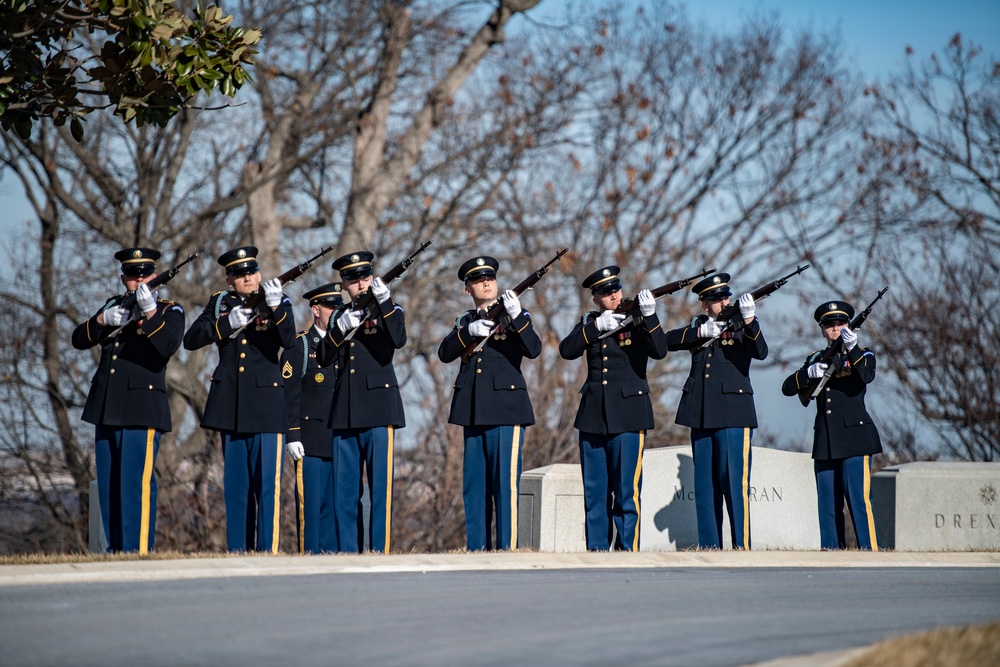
937, 506
783, 513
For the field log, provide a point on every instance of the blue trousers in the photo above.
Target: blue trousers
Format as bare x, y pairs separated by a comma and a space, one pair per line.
317, 529
491, 478
351, 448
126, 486
612, 482
836, 481
722, 460
252, 481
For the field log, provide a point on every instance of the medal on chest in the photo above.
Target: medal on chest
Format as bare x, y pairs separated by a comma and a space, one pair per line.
727, 338
844, 369
624, 338
369, 327
499, 333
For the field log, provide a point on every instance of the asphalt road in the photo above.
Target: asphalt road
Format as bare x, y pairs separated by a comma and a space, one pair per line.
657, 616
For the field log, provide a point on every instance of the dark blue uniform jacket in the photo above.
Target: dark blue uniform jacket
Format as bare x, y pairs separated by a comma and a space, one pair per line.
129, 389
308, 394
367, 392
718, 393
247, 393
843, 427
615, 396
490, 389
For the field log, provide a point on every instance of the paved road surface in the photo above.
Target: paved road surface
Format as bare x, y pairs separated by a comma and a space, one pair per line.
652, 616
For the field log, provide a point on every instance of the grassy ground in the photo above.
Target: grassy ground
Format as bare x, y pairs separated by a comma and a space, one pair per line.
970, 646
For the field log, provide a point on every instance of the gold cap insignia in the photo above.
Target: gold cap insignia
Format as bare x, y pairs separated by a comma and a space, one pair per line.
286, 370
832, 306
319, 377
605, 273
716, 280
480, 262
241, 253
136, 254
355, 258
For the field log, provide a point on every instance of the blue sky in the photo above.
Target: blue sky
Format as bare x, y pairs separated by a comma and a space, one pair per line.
875, 32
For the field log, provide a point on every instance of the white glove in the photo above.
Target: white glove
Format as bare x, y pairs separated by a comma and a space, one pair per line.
647, 304
272, 293
511, 303
380, 290
350, 319
238, 317
608, 320
849, 337
481, 328
747, 307
144, 298
817, 370
710, 329
116, 316
295, 450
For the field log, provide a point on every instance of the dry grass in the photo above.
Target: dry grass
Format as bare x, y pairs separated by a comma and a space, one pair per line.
45, 559
971, 646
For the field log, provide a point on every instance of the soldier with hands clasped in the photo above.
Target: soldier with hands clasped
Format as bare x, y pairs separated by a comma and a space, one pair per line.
491, 403
717, 403
246, 400
615, 407
127, 402
309, 396
844, 436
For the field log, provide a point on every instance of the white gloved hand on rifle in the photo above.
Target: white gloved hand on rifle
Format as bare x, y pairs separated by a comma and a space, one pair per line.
116, 316
849, 337
272, 293
239, 317
349, 320
608, 320
481, 328
710, 328
747, 306
145, 299
380, 290
647, 304
511, 304
816, 370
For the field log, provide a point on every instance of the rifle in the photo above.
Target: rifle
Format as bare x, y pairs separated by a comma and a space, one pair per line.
129, 301
629, 304
496, 310
815, 385
732, 310
254, 300
366, 300
289, 276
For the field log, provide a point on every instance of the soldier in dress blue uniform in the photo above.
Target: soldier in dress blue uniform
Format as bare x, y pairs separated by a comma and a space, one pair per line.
615, 407
127, 402
246, 401
844, 437
717, 403
491, 403
367, 408
309, 395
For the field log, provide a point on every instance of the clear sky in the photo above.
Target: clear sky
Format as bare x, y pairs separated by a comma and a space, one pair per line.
875, 32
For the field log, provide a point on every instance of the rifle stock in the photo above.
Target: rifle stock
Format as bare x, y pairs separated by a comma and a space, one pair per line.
815, 386
496, 310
